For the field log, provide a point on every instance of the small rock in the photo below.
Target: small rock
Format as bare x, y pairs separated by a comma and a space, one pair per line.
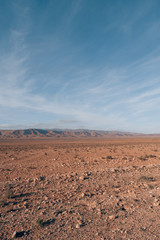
81, 178
82, 195
35, 181
78, 225
14, 234
156, 204
18, 234
117, 190
92, 205
25, 204
45, 198
42, 178
42, 213
111, 217
99, 212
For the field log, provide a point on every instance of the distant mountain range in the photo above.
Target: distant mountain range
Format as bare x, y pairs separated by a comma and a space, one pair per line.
59, 133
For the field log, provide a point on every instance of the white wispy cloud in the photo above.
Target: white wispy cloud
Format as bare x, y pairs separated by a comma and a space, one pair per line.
124, 20
113, 89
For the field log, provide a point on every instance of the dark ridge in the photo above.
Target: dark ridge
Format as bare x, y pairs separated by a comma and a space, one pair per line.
77, 133
120, 134
87, 133
42, 131
34, 131
64, 133
27, 132
16, 132
57, 132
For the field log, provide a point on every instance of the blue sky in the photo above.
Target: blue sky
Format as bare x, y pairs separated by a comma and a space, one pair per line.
91, 64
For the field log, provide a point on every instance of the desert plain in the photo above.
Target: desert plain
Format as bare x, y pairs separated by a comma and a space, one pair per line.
80, 188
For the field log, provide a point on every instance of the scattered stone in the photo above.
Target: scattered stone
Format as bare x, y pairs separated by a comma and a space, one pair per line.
111, 217
29, 180
82, 195
14, 234
25, 204
156, 204
81, 178
45, 198
18, 234
77, 225
41, 178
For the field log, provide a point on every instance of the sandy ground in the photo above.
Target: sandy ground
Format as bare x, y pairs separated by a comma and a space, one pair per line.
81, 189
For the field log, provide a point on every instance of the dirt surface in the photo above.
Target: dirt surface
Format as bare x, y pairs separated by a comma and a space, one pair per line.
80, 189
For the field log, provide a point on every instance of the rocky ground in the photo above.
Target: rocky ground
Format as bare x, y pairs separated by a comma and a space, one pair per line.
81, 189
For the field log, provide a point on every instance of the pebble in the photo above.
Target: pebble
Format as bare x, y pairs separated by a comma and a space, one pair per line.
45, 198
81, 178
111, 217
25, 204
82, 195
29, 180
77, 225
156, 204
14, 234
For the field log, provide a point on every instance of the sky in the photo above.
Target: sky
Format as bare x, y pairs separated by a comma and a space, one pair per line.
80, 64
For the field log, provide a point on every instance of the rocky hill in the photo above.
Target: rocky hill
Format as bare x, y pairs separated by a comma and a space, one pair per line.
59, 133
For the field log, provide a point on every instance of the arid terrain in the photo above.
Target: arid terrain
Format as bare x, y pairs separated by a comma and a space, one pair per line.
80, 188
